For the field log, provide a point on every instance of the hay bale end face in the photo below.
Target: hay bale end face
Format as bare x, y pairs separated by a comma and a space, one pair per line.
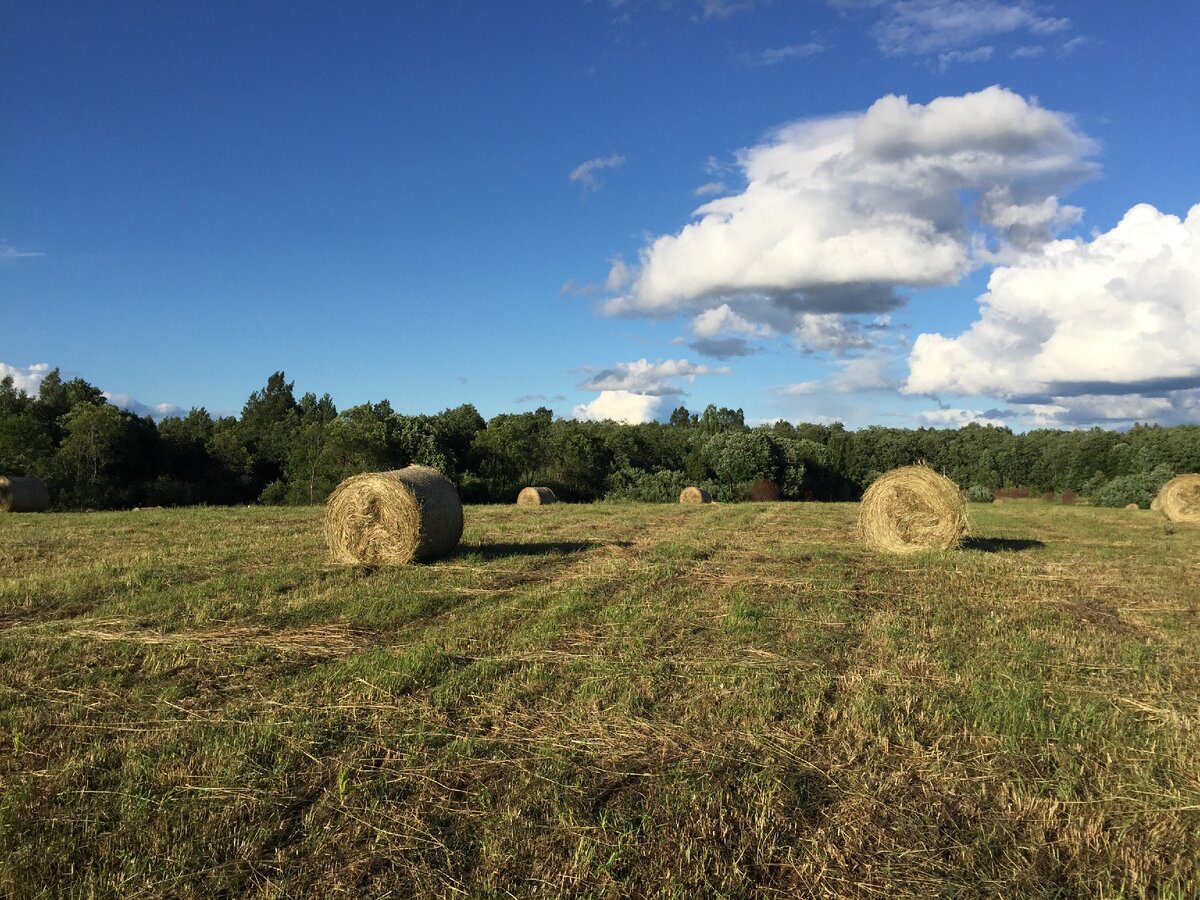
912, 508
694, 495
23, 494
536, 496
393, 518
1179, 499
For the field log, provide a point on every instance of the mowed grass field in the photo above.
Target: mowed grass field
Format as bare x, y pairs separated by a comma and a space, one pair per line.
600, 701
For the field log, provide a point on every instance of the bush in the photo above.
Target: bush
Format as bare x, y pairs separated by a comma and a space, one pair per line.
473, 489
763, 491
977, 493
640, 486
1125, 489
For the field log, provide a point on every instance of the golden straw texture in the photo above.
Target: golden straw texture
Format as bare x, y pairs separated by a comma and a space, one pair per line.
912, 508
23, 494
536, 496
393, 518
1179, 499
694, 495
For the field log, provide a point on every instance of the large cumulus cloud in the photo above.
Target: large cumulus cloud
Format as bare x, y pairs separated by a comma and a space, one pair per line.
839, 214
1100, 330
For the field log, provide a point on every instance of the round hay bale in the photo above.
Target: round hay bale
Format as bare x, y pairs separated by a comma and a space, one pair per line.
536, 496
23, 494
1131, 506
912, 508
694, 495
393, 518
1179, 499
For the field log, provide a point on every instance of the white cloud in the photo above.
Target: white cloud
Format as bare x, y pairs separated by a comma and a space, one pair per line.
948, 58
645, 377
777, 55
710, 187
723, 320
1072, 45
840, 213
829, 332
8, 253
956, 418
621, 406
1028, 52
921, 27
619, 275
27, 379
1106, 329
723, 9
128, 403
585, 175
860, 375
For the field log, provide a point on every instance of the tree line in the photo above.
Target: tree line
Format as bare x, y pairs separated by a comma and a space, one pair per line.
284, 450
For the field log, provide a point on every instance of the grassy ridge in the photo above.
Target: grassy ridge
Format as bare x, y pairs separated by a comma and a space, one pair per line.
598, 701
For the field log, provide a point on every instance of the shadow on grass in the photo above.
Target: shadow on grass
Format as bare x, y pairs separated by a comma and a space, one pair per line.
561, 548
1001, 545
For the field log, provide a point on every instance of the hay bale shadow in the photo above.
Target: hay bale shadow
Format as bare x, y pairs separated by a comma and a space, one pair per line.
1001, 545
561, 548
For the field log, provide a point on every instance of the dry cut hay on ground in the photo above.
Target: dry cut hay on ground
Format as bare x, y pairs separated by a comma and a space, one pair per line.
1179, 499
694, 495
23, 494
536, 496
393, 518
912, 508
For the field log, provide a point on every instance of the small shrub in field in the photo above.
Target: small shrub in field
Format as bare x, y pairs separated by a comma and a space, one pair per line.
1069, 498
1011, 493
640, 486
764, 490
977, 493
1125, 489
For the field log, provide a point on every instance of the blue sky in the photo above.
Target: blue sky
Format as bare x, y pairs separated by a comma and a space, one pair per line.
610, 208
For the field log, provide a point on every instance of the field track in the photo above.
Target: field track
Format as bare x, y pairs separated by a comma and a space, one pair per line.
600, 701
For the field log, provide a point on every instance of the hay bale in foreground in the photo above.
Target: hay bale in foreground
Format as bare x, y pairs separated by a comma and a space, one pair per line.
694, 495
1131, 506
912, 508
1179, 499
23, 494
536, 496
393, 518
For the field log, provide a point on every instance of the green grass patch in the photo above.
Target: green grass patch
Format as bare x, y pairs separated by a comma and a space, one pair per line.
599, 701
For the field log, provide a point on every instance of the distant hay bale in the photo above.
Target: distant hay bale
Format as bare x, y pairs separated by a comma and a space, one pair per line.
1131, 506
23, 494
393, 518
536, 496
694, 495
1179, 499
912, 508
